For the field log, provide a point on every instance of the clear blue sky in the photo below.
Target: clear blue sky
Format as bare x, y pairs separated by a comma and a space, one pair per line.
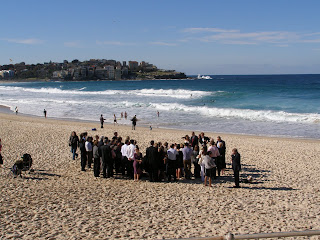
207, 37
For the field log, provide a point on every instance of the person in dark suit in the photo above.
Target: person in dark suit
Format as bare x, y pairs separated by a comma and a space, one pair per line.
221, 160
236, 167
194, 140
83, 151
107, 163
203, 140
152, 161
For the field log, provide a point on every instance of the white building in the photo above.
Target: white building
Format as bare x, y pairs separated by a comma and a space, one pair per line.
7, 73
111, 73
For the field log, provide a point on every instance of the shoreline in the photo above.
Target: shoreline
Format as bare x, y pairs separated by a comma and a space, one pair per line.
7, 111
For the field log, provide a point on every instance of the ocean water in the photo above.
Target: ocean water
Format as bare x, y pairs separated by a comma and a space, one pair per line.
273, 105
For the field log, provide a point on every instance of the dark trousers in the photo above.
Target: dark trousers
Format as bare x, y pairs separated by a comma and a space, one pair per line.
90, 156
171, 169
214, 172
107, 170
124, 161
153, 175
83, 160
197, 170
130, 168
102, 125
96, 167
117, 163
236, 177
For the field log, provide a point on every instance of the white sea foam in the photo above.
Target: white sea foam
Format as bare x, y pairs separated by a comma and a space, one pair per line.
171, 93
247, 114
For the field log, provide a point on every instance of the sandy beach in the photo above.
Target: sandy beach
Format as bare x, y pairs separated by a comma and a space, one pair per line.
58, 201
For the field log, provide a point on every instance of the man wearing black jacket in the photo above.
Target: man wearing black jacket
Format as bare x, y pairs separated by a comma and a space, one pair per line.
236, 167
194, 140
105, 153
152, 161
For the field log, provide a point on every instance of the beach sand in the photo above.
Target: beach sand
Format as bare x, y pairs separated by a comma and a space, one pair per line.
58, 201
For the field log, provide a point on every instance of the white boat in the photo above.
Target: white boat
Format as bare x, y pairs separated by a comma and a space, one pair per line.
203, 77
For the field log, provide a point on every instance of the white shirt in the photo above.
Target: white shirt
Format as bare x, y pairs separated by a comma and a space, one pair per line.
88, 146
130, 151
172, 154
124, 150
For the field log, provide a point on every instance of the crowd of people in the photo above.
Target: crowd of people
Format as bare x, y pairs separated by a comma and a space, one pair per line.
162, 161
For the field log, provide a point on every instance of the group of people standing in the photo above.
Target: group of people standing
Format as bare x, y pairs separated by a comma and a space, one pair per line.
162, 162
115, 121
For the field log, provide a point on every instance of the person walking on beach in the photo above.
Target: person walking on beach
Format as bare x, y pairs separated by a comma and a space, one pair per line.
102, 120
134, 122
114, 120
236, 166
45, 113
96, 159
16, 110
209, 166
125, 115
73, 143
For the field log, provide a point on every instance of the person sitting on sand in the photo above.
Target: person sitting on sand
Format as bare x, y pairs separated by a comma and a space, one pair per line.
209, 166
236, 166
137, 164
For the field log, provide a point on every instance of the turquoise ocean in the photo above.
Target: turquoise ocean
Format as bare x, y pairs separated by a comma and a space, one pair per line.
272, 105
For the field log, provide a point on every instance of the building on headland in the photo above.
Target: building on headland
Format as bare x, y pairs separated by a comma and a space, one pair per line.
5, 74
60, 74
133, 65
92, 69
110, 70
101, 73
117, 75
